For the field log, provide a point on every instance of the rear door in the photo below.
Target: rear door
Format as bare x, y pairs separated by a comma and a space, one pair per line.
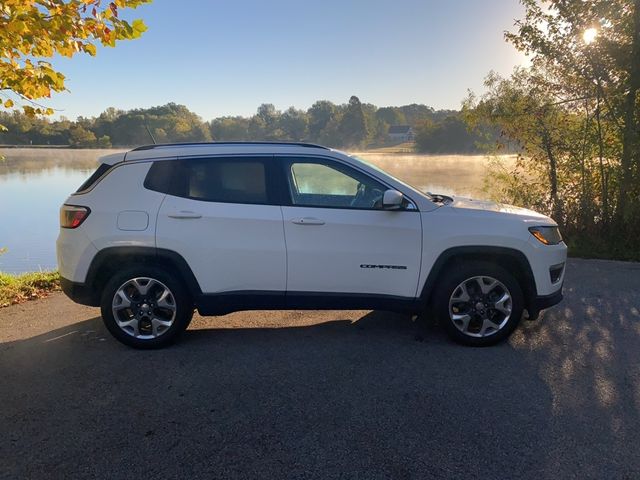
221, 215
339, 239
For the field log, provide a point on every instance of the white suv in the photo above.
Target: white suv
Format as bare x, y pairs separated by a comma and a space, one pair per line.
160, 230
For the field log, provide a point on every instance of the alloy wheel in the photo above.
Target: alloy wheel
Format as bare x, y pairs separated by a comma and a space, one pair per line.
144, 308
480, 306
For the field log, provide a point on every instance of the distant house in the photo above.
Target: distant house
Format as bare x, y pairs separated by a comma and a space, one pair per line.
401, 133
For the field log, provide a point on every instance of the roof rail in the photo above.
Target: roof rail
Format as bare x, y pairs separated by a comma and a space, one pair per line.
186, 144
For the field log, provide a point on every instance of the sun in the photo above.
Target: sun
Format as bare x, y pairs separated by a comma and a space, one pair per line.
590, 35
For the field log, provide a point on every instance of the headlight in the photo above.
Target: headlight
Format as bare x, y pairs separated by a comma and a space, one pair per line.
547, 235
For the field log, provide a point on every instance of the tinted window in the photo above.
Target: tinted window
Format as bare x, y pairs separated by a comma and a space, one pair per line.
322, 184
93, 178
160, 176
229, 180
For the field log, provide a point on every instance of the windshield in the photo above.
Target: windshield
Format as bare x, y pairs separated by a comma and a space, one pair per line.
378, 169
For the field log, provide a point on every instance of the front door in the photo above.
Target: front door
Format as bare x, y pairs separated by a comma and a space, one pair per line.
340, 240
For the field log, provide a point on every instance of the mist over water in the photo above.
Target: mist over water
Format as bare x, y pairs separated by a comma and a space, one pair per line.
34, 182
447, 174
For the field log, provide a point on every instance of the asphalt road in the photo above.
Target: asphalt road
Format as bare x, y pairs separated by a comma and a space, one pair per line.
362, 395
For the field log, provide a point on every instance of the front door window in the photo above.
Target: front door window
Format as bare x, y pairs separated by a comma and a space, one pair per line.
317, 184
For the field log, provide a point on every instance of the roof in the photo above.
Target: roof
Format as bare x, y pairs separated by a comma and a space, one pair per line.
187, 144
174, 150
399, 129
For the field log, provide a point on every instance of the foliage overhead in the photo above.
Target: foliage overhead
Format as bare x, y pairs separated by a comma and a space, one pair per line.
32, 31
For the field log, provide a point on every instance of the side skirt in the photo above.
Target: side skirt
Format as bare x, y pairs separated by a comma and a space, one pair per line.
228, 302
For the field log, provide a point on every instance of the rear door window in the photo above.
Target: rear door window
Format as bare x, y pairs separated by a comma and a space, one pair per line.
225, 180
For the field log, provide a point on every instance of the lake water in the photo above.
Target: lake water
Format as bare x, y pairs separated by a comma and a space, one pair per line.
34, 182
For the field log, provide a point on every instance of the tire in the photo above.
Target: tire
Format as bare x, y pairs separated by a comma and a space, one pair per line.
492, 317
146, 307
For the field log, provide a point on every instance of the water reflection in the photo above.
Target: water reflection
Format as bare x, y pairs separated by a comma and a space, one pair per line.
34, 182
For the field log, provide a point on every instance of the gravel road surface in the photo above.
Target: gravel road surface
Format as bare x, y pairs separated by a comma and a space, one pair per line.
361, 395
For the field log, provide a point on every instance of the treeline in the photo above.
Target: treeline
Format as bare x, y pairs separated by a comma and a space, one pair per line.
350, 125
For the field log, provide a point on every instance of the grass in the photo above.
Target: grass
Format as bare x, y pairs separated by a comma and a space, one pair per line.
602, 248
28, 286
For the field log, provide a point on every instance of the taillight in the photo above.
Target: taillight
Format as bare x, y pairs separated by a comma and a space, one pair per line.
72, 216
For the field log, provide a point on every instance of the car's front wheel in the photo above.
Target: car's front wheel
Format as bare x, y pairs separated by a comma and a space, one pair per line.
145, 307
478, 303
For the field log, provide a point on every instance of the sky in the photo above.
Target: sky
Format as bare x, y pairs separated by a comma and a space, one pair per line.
227, 57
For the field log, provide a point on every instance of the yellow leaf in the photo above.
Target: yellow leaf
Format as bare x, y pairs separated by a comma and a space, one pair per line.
139, 27
8, 103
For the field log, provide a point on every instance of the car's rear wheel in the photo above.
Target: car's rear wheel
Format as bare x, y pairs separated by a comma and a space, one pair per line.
478, 303
145, 307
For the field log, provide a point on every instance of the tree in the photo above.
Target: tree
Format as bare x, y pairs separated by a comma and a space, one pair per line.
320, 114
230, 128
33, 30
168, 123
588, 51
391, 116
104, 141
450, 135
575, 114
353, 125
416, 113
524, 111
80, 137
293, 123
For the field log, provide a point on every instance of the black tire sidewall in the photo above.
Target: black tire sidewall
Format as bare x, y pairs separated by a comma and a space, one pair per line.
456, 275
184, 306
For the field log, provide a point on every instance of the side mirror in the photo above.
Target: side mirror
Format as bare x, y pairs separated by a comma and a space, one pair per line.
392, 200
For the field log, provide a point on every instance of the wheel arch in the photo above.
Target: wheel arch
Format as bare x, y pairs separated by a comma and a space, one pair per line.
512, 260
109, 260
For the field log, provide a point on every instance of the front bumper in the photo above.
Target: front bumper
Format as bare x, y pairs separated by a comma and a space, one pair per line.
79, 293
541, 302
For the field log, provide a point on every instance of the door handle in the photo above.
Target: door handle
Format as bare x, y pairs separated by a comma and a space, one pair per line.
307, 221
184, 214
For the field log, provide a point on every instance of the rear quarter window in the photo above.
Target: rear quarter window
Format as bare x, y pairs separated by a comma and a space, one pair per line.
93, 178
163, 177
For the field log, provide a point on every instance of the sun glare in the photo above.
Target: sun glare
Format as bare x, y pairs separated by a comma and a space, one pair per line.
590, 35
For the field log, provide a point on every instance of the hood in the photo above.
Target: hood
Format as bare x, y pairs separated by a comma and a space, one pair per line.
467, 204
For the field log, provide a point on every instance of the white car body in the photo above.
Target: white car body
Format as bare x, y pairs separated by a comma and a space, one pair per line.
240, 250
